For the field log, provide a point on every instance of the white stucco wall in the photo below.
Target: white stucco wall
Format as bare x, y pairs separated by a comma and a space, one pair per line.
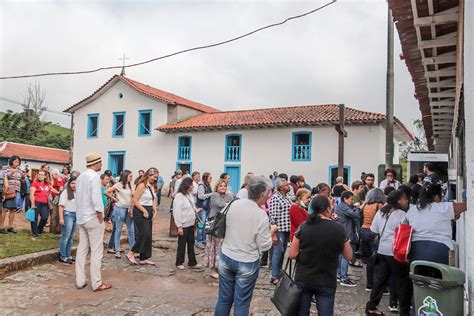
268, 150
141, 152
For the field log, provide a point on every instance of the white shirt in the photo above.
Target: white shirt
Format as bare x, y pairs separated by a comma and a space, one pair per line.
243, 194
69, 205
147, 197
247, 232
176, 185
386, 239
433, 223
124, 196
395, 184
88, 196
195, 190
184, 212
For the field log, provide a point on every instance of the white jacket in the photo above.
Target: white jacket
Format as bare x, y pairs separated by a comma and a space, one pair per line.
184, 212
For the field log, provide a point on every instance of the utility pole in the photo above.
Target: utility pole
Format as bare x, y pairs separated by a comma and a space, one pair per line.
342, 133
389, 95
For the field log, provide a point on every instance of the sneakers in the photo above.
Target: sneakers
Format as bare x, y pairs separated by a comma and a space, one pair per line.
11, 230
65, 261
393, 308
368, 288
180, 267
199, 245
3, 231
196, 266
348, 283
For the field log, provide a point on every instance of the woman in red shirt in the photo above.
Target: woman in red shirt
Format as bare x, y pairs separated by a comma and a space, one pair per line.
299, 210
39, 193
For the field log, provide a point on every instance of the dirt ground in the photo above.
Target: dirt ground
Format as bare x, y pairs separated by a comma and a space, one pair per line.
162, 290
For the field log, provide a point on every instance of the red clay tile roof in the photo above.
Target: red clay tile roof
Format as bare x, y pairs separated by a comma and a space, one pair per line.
37, 153
147, 90
310, 115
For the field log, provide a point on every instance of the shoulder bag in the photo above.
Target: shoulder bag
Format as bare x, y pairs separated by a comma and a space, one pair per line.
402, 242
286, 296
374, 257
217, 226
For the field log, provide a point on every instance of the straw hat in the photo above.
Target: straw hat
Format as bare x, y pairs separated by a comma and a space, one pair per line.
92, 159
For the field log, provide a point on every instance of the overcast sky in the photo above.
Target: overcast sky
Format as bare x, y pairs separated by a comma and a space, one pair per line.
337, 55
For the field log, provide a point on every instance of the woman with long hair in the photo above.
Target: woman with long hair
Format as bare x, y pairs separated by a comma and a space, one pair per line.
11, 192
184, 213
316, 246
374, 201
204, 191
121, 194
431, 221
67, 220
384, 223
144, 212
39, 194
218, 201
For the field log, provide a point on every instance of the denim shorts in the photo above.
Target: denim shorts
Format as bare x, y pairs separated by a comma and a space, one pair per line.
12, 203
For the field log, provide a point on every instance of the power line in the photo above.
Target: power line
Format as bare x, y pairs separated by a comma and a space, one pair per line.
175, 53
21, 104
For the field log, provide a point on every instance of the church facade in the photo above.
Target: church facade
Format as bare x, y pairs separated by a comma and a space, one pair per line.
135, 126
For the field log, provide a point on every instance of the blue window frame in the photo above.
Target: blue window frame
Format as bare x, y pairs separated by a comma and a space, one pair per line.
333, 175
118, 127
116, 162
144, 123
301, 146
93, 125
184, 148
233, 147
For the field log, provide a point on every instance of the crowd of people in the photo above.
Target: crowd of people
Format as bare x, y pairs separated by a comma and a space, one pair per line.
326, 229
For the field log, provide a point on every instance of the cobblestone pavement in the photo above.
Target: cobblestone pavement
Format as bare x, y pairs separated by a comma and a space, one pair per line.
143, 290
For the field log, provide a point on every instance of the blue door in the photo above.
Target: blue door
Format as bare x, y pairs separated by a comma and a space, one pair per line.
333, 175
234, 173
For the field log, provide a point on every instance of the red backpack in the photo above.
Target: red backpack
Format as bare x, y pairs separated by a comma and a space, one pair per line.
402, 242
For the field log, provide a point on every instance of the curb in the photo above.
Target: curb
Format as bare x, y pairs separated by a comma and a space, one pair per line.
23, 262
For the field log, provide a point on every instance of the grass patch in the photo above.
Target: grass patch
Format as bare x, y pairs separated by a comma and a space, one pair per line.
21, 243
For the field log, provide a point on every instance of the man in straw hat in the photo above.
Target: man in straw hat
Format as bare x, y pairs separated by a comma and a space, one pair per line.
90, 219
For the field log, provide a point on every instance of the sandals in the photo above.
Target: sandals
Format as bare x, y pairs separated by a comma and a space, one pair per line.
147, 262
103, 287
131, 258
374, 312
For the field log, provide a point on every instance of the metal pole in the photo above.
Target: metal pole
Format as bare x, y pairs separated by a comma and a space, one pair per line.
340, 160
72, 139
389, 95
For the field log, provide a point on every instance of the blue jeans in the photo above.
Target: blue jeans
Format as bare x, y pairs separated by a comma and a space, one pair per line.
67, 234
121, 216
279, 250
343, 268
112, 235
201, 232
324, 299
236, 283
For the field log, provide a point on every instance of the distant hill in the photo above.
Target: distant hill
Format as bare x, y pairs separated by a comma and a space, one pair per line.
56, 131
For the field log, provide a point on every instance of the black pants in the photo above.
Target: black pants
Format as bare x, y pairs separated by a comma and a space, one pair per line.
143, 238
186, 240
386, 267
158, 197
43, 212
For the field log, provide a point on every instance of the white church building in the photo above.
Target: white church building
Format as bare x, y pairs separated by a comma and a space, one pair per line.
135, 126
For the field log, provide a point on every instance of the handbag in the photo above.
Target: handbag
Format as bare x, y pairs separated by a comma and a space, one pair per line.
30, 215
402, 242
374, 256
217, 226
286, 296
10, 193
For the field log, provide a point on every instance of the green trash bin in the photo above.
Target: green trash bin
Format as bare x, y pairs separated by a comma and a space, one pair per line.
438, 289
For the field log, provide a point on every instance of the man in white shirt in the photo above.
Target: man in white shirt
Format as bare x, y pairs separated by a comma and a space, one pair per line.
90, 220
196, 179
